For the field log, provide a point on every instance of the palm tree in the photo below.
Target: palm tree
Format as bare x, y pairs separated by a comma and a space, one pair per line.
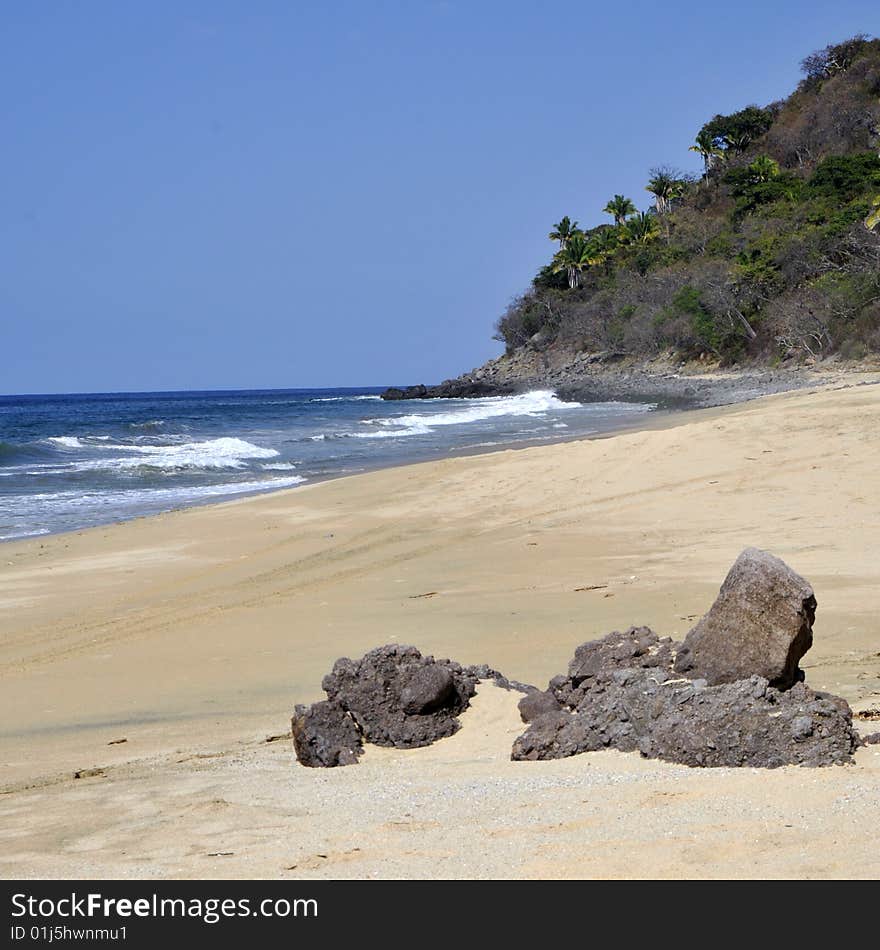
763, 168
873, 219
642, 228
603, 244
563, 231
620, 208
665, 185
573, 258
704, 145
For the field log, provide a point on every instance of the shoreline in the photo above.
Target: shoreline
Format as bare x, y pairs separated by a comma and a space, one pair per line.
191, 634
737, 388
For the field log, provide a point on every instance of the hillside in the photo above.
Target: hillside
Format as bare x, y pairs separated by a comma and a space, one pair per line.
770, 258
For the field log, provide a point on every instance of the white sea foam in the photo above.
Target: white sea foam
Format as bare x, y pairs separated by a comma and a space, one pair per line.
278, 466
134, 497
66, 441
26, 533
418, 429
213, 454
534, 404
345, 398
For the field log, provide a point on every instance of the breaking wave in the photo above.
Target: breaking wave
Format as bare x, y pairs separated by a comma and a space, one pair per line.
223, 453
535, 404
345, 399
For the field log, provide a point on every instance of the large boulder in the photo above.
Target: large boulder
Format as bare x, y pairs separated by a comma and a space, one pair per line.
747, 723
399, 697
760, 624
324, 735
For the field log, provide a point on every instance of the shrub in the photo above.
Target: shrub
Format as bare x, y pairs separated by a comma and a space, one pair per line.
845, 177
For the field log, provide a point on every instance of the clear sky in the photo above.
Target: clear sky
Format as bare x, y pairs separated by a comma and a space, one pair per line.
205, 195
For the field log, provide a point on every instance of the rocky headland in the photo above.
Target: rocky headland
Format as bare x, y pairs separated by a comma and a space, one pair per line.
597, 377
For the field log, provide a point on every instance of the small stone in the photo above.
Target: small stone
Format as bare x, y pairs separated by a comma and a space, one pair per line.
801, 728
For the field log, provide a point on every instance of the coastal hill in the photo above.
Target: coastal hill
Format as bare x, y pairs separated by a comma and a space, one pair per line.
769, 260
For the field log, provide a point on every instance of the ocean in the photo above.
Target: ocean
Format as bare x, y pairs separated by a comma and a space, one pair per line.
75, 461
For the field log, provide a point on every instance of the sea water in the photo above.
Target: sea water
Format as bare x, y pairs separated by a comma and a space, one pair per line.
75, 461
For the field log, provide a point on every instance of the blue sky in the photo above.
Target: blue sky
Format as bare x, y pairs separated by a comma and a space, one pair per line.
213, 194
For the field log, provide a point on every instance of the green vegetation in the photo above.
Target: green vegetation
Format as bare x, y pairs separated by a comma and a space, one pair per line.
734, 133
872, 222
620, 209
773, 253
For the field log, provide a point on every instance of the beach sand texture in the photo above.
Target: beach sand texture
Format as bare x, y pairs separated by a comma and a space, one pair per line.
191, 635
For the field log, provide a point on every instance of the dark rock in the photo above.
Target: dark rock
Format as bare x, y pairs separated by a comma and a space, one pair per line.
637, 647
536, 704
429, 688
873, 738
393, 696
324, 735
462, 388
761, 623
482, 671
746, 723
408, 392
381, 689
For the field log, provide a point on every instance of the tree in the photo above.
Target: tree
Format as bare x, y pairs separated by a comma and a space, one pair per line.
604, 243
620, 208
762, 169
573, 258
706, 148
835, 58
641, 228
761, 182
735, 132
845, 177
665, 185
563, 231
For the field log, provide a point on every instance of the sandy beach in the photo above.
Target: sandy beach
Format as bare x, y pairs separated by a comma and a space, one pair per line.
145, 665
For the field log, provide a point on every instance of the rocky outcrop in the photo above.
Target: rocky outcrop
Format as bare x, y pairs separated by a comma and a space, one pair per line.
747, 723
324, 735
392, 696
580, 376
400, 698
462, 388
730, 695
739, 701
636, 648
761, 623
